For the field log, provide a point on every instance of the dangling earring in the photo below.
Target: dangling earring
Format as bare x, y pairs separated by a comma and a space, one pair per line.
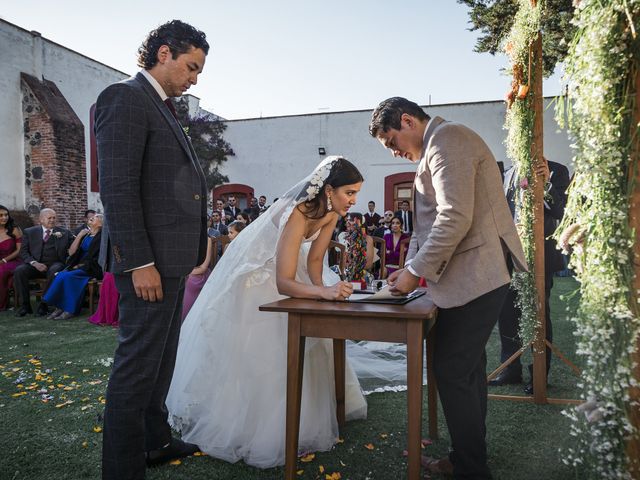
329, 205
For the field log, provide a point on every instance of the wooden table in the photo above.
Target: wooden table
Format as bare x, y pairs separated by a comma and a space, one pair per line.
410, 323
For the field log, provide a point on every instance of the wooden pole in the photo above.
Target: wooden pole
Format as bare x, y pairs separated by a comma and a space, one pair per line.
633, 446
537, 152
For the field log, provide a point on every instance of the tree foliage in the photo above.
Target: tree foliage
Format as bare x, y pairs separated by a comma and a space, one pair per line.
494, 19
206, 134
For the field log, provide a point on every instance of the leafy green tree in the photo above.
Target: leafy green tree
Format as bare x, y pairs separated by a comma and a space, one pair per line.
206, 134
494, 19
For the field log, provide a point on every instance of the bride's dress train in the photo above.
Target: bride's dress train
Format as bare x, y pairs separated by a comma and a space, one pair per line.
228, 393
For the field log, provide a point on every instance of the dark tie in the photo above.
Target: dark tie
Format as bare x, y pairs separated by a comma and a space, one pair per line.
47, 234
169, 104
405, 221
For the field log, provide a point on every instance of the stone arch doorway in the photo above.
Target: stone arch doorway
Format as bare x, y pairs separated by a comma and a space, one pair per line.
397, 188
243, 194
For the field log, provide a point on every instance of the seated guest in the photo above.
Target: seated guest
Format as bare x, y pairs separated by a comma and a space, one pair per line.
87, 215
392, 241
216, 227
10, 242
195, 281
44, 253
253, 210
406, 215
244, 218
67, 289
234, 230
107, 311
384, 226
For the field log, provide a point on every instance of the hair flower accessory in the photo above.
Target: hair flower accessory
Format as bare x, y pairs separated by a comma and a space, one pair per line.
318, 177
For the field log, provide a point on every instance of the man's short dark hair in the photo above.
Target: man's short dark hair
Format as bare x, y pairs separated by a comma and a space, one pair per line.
87, 212
404, 201
388, 114
371, 201
262, 196
177, 35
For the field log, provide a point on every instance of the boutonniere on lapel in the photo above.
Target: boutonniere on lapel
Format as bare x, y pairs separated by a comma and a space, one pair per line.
186, 132
57, 234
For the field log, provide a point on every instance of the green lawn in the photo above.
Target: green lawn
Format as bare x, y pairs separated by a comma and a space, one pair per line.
57, 438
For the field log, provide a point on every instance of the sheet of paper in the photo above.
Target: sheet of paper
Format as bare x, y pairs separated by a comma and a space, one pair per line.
382, 294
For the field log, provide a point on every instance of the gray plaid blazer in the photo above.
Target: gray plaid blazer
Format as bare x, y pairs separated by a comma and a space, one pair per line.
151, 184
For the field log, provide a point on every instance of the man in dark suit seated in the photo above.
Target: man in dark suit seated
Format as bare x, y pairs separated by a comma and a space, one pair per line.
44, 252
217, 228
556, 177
406, 215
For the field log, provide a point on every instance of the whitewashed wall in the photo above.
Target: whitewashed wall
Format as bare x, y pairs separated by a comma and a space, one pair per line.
273, 153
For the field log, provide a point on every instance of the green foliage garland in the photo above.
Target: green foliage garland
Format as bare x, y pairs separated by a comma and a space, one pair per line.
601, 67
519, 123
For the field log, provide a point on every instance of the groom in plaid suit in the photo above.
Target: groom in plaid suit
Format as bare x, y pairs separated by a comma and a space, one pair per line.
154, 195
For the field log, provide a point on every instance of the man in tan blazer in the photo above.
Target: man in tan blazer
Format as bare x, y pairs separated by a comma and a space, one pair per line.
464, 244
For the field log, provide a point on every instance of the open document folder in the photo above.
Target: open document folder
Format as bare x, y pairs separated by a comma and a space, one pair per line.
384, 296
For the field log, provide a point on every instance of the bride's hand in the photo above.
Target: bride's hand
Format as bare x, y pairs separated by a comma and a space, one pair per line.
339, 291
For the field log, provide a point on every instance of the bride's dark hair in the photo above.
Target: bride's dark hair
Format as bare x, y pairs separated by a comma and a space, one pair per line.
343, 172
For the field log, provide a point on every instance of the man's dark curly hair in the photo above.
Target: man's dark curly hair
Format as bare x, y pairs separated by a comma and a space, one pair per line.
177, 35
388, 114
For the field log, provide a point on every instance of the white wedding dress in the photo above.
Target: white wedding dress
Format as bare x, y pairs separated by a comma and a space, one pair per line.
228, 393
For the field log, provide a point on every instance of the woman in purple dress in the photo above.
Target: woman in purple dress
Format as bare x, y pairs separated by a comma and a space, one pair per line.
195, 281
392, 241
67, 289
10, 242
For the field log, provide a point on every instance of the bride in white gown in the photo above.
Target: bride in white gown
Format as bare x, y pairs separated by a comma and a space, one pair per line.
228, 392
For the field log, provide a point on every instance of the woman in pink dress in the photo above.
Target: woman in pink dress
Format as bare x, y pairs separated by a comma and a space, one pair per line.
392, 241
107, 311
10, 242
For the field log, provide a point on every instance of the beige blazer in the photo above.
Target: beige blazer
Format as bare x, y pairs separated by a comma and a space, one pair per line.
463, 228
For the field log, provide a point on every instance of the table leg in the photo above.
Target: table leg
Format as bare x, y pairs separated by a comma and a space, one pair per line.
415, 338
295, 364
339, 372
432, 388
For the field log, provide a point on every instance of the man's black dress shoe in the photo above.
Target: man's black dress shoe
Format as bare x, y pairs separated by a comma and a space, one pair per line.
43, 310
22, 311
528, 388
176, 449
506, 377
